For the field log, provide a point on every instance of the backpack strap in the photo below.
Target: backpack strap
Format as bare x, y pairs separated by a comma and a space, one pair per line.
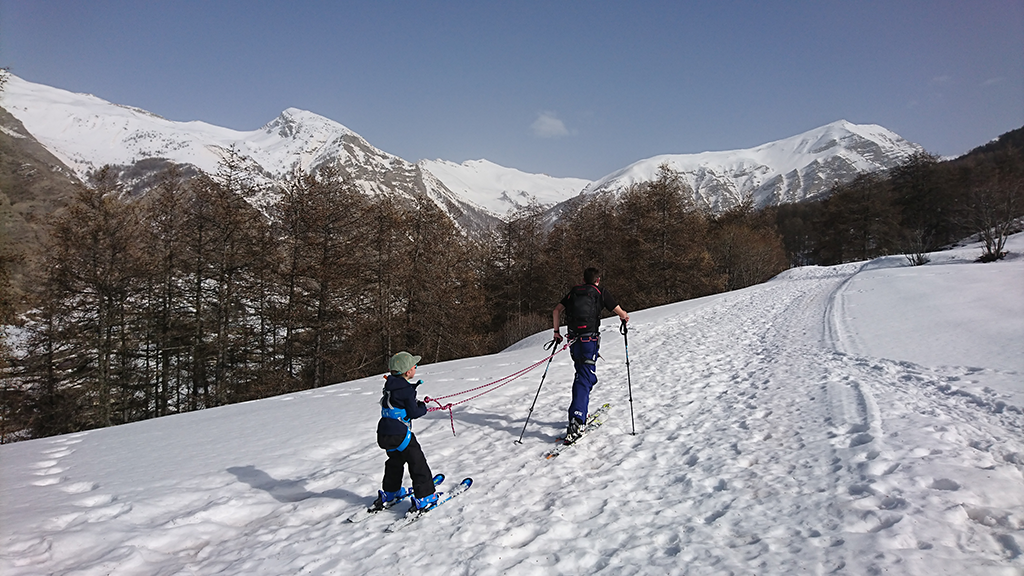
387, 410
396, 413
405, 443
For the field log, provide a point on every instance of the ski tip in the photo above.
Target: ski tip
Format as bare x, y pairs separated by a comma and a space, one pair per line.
467, 482
438, 478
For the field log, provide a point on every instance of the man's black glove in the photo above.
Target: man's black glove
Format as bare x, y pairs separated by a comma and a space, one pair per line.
558, 337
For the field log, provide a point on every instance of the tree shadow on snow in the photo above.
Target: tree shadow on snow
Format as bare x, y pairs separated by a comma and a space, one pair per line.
288, 490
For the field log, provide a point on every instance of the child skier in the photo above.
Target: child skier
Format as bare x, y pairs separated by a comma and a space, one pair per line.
394, 434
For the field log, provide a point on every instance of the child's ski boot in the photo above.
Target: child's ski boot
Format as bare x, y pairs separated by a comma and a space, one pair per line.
385, 497
425, 503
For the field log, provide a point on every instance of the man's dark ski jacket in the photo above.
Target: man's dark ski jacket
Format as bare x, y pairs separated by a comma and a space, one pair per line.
400, 394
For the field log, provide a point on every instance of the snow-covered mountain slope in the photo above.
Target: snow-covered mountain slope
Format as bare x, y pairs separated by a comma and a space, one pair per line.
789, 170
498, 189
86, 132
814, 424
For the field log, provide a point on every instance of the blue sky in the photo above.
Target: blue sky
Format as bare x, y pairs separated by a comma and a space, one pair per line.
567, 88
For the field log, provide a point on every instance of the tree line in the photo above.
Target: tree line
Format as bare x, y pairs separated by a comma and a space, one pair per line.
199, 293
196, 294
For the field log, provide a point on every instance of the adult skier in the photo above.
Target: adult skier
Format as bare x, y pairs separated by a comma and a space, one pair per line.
583, 305
399, 407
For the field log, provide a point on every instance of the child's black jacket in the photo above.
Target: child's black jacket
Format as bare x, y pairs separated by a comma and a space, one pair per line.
402, 394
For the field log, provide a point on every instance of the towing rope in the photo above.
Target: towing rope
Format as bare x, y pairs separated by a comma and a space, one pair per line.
492, 385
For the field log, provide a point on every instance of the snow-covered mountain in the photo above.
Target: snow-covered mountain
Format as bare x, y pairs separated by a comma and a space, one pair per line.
855, 419
789, 170
498, 189
86, 132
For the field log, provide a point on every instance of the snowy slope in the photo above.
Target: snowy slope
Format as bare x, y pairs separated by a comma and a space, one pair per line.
499, 189
789, 170
809, 425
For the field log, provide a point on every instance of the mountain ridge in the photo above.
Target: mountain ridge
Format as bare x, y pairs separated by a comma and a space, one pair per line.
86, 132
792, 169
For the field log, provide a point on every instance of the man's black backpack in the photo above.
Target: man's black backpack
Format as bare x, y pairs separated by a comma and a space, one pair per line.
583, 314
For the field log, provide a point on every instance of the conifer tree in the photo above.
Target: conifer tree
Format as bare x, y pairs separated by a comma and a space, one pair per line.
745, 246
385, 261
86, 319
859, 221
164, 359
516, 275
320, 223
666, 240
224, 246
12, 397
444, 295
925, 205
586, 234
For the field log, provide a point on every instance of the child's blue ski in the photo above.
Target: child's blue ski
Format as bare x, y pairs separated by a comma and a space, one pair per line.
594, 420
411, 517
406, 492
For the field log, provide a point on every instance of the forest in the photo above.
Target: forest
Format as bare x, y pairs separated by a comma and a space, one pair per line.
194, 295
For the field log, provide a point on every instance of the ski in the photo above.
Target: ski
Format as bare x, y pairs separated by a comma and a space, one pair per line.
594, 421
371, 511
411, 517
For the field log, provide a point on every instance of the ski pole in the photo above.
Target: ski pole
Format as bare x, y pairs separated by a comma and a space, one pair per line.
624, 331
554, 348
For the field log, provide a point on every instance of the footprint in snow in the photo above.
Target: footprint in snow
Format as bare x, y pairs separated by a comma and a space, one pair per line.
95, 501
945, 484
886, 522
44, 464
861, 439
80, 487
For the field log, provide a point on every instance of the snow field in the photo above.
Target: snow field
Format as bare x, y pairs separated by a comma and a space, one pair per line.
774, 436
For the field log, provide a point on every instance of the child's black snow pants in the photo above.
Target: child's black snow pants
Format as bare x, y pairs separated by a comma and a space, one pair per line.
394, 468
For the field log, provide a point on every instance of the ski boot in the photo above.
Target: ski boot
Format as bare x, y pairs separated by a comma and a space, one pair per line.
385, 497
575, 431
425, 503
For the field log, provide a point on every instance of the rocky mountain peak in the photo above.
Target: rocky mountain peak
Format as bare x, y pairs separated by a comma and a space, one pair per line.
86, 132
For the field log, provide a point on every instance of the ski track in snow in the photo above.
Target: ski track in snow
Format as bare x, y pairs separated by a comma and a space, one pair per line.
761, 447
